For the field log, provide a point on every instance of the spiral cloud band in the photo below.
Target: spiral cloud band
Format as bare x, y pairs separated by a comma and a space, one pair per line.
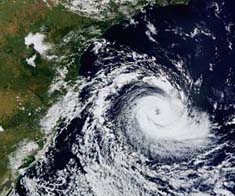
155, 115
153, 110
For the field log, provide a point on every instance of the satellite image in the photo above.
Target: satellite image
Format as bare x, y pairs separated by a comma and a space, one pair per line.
117, 97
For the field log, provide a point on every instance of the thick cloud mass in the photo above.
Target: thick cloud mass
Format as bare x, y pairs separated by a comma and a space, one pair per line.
155, 110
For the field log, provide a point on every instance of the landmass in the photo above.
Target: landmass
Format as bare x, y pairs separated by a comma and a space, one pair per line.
40, 47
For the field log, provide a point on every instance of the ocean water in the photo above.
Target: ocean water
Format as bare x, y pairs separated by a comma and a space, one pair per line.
156, 110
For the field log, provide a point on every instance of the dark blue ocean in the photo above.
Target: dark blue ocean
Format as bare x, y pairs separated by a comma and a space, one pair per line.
155, 111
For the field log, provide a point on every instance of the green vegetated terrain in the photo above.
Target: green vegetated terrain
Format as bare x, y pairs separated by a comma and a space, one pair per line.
23, 88
24, 97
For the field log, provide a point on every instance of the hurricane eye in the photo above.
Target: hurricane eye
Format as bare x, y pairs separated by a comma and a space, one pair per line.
157, 111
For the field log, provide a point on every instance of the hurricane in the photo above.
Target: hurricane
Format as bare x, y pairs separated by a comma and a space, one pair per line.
154, 110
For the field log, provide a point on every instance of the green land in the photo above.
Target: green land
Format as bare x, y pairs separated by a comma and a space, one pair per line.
24, 97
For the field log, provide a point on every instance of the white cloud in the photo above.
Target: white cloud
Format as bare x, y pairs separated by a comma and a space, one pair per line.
38, 41
31, 61
1, 129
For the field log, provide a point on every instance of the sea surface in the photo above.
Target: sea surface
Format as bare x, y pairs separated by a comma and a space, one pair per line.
156, 110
